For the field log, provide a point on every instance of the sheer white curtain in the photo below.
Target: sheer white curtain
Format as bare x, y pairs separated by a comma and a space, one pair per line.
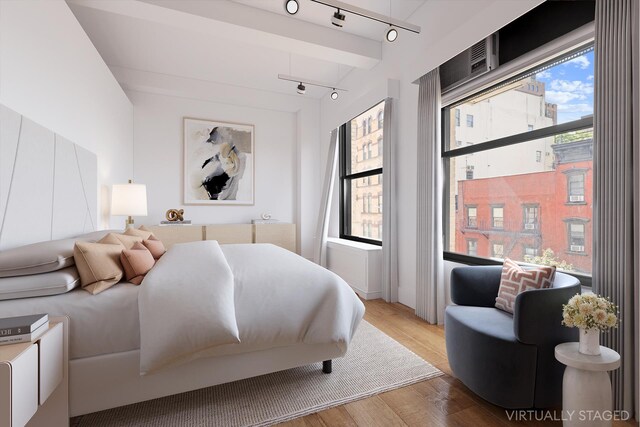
389, 209
616, 186
430, 287
320, 252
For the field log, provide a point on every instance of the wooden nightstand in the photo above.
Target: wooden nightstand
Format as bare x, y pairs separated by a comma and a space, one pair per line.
34, 380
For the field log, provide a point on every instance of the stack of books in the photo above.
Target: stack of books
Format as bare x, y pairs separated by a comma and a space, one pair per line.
23, 328
185, 222
264, 221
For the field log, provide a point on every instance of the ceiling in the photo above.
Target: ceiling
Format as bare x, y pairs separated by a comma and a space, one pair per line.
244, 43
319, 14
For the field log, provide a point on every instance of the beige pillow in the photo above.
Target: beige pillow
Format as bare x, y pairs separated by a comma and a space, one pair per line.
138, 233
98, 264
137, 262
120, 239
516, 279
155, 246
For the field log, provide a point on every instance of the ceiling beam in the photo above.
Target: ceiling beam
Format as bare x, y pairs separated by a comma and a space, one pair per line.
235, 21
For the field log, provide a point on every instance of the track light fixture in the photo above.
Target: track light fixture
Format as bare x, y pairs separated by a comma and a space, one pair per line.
338, 19
392, 34
303, 83
291, 6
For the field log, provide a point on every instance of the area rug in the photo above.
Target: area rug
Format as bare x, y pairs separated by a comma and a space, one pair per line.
375, 363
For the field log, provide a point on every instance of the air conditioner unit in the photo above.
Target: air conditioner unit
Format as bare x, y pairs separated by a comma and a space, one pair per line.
576, 198
529, 226
479, 59
577, 248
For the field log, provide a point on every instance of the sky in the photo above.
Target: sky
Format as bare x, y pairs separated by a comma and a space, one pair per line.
570, 86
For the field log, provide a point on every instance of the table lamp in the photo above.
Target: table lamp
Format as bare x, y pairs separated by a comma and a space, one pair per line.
130, 200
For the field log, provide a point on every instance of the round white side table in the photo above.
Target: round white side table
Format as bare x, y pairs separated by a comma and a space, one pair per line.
586, 387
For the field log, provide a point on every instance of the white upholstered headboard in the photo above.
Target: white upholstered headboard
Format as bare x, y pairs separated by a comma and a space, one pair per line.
48, 185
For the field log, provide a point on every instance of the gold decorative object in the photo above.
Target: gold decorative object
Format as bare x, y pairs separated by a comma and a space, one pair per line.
175, 215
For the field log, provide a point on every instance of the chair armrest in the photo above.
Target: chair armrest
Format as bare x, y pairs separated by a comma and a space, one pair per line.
475, 286
537, 316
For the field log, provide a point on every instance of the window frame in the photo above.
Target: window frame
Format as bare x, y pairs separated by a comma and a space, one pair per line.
523, 137
344, 137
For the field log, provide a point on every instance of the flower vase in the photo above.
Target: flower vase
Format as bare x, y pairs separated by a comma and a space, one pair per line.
589, 342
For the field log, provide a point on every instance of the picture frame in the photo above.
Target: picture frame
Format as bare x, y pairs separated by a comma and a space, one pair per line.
219, 162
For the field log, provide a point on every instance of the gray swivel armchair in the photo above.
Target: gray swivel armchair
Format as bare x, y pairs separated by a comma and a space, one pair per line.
507, 360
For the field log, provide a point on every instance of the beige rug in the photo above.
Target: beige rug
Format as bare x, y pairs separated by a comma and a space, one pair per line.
375, 363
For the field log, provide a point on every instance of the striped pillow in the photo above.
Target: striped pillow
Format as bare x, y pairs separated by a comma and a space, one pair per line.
516, 279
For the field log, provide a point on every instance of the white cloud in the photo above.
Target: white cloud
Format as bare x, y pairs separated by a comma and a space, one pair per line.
561, 97
576, 108
580, 61
574, 86
546, 74
590, 77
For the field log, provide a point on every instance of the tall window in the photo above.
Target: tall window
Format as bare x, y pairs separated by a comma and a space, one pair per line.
360, 210
576, 237
575, 184
530, 217
472, 217
497, 250
380, 119
526, 184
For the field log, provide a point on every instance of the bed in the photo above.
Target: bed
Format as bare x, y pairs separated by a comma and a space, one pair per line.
289, 312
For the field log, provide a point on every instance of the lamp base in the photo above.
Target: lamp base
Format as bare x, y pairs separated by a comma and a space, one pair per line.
128, 223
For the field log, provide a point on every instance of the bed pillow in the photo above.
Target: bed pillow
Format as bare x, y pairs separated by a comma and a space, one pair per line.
120, 239
145, 234
98, 265
38, 285
37, 258
515, 279
155, 246
137, 262
94, 236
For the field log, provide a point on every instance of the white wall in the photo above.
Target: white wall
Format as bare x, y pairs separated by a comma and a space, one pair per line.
51, 73
286, 142
448, 27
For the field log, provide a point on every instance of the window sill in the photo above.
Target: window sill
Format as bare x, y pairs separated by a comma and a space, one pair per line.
353, 244
576, 253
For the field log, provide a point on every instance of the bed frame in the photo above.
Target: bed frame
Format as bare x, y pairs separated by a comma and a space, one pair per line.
112, 380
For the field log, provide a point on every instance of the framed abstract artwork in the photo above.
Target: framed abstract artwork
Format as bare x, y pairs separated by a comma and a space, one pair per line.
218, 162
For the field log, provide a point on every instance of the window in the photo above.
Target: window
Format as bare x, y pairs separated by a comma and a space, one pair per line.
380, 119
469, 120
576, 236
530, 222
472, 217
472, 247
529, 127
526, 184
469, 172
575, 185
361, 194
497, 216
497, 250
457, 117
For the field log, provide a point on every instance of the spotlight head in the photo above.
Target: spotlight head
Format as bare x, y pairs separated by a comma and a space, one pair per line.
334, 95
337, 19
291, 6
301, 89
392, 34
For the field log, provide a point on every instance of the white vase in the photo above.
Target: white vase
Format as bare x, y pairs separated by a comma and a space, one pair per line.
589, 342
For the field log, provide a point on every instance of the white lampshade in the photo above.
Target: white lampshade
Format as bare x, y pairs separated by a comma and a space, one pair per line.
129, 199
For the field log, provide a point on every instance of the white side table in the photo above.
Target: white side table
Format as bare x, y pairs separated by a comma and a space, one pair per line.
586, 387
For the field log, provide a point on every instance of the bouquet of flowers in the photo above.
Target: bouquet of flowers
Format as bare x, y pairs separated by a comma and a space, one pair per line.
590, 311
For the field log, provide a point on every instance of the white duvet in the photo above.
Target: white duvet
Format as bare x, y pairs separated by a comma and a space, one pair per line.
204, 300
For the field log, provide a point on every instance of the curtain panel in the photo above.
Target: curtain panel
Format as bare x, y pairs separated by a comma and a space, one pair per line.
616, 187
320, 252
430, 287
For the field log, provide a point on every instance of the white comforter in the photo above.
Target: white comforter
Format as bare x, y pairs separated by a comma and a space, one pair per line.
200, 301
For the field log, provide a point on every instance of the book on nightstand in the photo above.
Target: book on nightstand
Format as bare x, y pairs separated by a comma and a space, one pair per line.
21, 325
28, 337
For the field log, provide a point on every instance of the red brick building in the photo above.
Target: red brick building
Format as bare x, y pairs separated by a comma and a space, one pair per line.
520, 216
